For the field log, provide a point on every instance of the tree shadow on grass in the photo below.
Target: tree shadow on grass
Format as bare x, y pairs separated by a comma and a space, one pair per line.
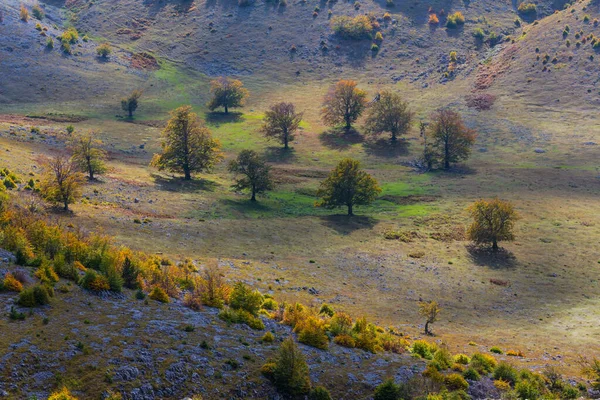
485, 256
459, 170
280, 155
339, 139
218, 118
384, 147
178, 184
245, 205
345, 224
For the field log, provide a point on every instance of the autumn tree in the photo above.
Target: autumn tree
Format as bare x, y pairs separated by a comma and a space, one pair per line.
389, 114
227, 93
61, 182
289, 372
451, 140
344, 103
130, 104
493, 221
88, 156
187, 145
347, 185
281, 122
254, 173
429, 310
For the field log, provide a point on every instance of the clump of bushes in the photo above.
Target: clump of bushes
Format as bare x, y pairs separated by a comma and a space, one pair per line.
289, 371
527, 8
423, 349
103, 50
24, 13
159, 294
37, 295
359, 27
455, 20
10, 283
94, 281
38, 12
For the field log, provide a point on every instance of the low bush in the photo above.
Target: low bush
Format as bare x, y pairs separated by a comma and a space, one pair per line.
103, 50
46, 273
462, 359
37, 295
455, 20
319, 393
471, 374
244, 298
159, 294
359, 27
10, 283
311, 331
388, 390
506, 372
326, 309
38, 12
496, 350
423, 349
527, 390
24, 13
483, 363
240, 316
345, 341
63, 394
456, 382
527, 8
268, 337
270, 304
433, 19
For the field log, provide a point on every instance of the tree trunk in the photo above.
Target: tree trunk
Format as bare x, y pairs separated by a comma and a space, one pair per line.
91, 175
226, 109
350, 210
427, 328
348, 123
394, 136
130, 113
494, 245
446, 156
285, 142
253, 198
66, 207
186, 171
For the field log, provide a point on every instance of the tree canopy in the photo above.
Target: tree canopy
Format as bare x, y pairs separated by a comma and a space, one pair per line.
130, 104
389, 114
281, 122
227, 93
187, 145
254, 173
61, 182
344, 103
430, 311
88, 156
451, 139
347, 185
493, 221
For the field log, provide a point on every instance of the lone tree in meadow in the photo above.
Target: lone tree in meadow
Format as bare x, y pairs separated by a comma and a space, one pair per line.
254, 173
227, 93
88, 156
187, 145
61, 182
493, 221
281, 122
450, 139
289, 372
430, 311
389, 114
130, 104
344, 103
347, 185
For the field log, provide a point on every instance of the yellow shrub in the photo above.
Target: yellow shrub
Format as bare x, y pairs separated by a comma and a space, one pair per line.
79, 266
295, 313
12, 284
502, 385
63, 394
311, 331
515, 353
46, 273
159, 294
345, 341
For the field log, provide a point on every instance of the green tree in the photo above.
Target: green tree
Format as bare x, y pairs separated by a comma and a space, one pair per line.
244, 298
290, 374
61, 182
347, 185
130, 274
88, 156
130, 104
388, 390
253, 171
281, 122
389, 114
451, 139
430, 311
344, 103
493, 221
227, 93
187, 145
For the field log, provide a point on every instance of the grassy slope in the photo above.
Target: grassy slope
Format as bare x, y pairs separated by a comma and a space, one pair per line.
551, 304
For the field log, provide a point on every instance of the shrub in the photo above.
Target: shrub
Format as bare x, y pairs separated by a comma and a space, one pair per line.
483, 363
455, 20
456, 382
270, 304
569, 392
311, 331
471, 374
453, 56
461, 359
103, 50
359, 27
24, 14
9, 183
506, 372
37, 295
70, 36
16, 315
140, 295
527, 390
11, 283
443, 358
345, 341
94, 281
192, 301
433, 19
378, 37
159, 294
365, 335
319, 393
393, 343
268, 337
478, 33
243, 298
290, 371
388, 390
63, 394
340, 324
46, 273
501, 385
374, 48
527, 8
37, 12
387, 17
326, 309
496, 350
515, 353
241, 317
586, 18
423, 349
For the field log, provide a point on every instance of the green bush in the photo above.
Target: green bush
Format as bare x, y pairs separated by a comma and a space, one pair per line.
37, 295
269, 304
456, 382
471, 374
483, 363
462, 359
326, 309
311, 331
388, 390
506, 372
37, 12
94, 281
268, 337
527, 390
527, 8
159, 294
289, 372
240, 316
443, 358
455, 20
243, 298
423, 349
319, 393
478, 33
